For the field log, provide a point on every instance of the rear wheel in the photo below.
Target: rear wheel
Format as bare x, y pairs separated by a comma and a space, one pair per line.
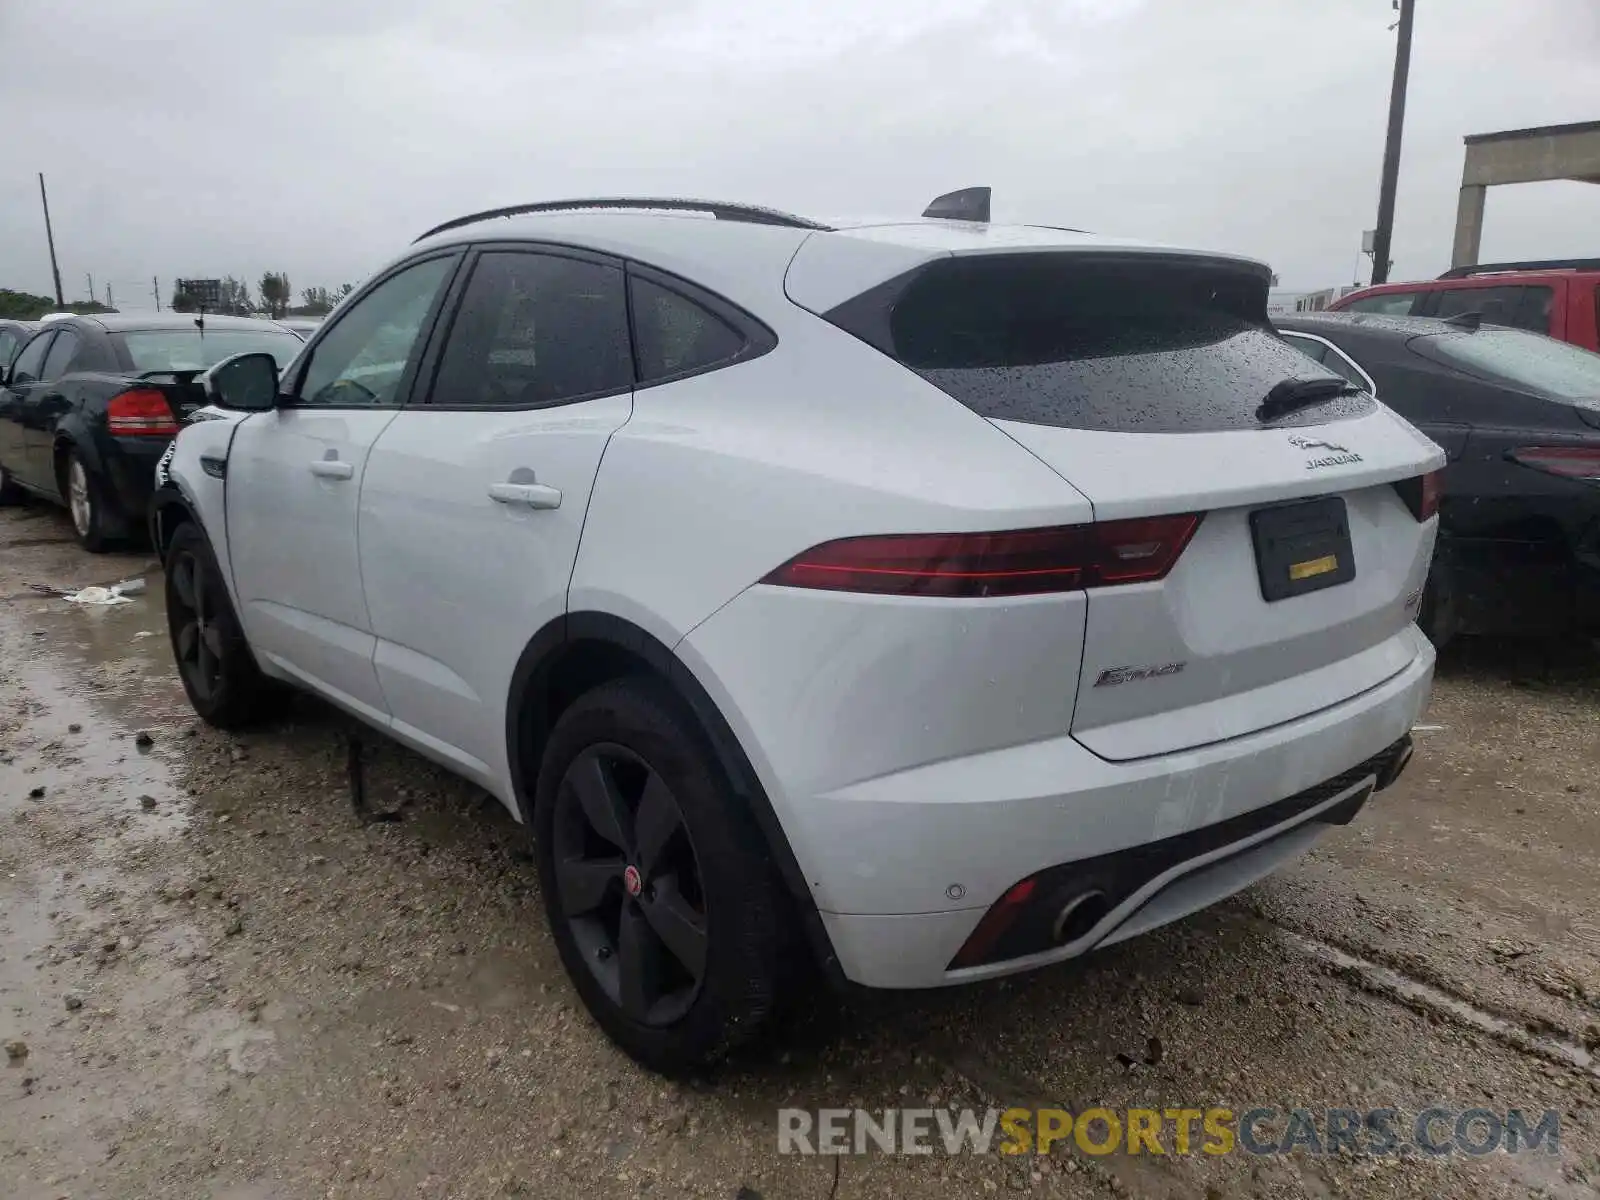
85, 496
218, 671
664, 905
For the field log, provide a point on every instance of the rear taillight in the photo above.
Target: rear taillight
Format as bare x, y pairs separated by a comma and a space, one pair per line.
1421, 494
1021, 562
141, 411
1570, 462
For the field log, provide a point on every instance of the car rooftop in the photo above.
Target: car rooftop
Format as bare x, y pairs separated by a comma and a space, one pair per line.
1376, 323
694, 235
122, 322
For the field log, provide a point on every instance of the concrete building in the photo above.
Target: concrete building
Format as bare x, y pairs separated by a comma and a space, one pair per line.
1520, 156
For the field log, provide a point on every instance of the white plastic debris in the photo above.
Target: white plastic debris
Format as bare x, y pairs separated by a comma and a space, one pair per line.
97, 596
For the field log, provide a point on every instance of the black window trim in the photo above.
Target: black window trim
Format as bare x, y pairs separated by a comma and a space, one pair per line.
433, 352
289, 392
759, 339
1359, 369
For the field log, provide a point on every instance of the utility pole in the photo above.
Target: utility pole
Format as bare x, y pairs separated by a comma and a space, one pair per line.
1391, 146
110, 303
49, 234
155, 290
90, 277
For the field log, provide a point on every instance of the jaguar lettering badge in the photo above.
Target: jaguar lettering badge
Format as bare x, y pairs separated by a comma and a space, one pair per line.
1340, 456
1112, 676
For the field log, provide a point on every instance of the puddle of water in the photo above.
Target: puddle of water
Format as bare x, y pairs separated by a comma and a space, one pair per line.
1391, 982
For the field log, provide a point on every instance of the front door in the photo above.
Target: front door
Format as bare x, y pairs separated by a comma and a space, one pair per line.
18, 406
45, 405
294, 479
474, 500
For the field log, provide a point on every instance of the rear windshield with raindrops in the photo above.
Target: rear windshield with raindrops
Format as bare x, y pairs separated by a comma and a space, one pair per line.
1121, 343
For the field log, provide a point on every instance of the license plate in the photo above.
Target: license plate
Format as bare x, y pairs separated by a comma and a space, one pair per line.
1302, 547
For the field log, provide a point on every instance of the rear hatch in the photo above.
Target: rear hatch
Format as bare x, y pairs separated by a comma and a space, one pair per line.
1141, 378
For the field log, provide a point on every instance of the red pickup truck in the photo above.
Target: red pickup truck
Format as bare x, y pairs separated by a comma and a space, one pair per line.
1560, 298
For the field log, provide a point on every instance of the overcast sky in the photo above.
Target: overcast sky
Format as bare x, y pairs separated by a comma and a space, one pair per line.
202, 138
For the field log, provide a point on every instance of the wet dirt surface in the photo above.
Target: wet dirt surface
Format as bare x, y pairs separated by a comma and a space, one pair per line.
216, 982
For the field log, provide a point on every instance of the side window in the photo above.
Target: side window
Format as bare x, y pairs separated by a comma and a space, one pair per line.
1336, 362
361, 360
675, 336
1533, 310
1391, 304
60, 356
1306, 346
9, 341
30, 362
1496, 304
535, 329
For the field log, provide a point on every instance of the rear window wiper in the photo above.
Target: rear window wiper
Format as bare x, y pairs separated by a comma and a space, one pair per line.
1293, 394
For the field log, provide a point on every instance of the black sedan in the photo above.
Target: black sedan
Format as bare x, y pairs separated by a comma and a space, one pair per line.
89, 404
1518, 415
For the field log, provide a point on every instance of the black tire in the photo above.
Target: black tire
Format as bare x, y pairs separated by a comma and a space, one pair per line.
219, 673
92, 520
633, 726
1437, 615
11, 491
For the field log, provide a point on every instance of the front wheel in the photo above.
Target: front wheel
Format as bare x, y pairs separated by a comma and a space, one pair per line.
218, 671
665, 907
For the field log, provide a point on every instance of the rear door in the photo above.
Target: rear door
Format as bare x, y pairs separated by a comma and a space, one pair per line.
1141, 381
294, 483
47, 402
473, 501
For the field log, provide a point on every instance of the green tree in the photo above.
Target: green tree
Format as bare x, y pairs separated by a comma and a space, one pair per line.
235, 298
275, 293
23, 306
183, 302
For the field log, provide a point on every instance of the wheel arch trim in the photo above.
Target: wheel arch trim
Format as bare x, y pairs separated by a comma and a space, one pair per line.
525, 718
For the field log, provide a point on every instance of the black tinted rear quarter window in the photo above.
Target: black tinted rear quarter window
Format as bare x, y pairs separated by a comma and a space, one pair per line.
1100, 342
536, 329
674, 336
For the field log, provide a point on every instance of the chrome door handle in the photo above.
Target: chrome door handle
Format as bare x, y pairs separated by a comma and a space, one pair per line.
332, 468
528, 495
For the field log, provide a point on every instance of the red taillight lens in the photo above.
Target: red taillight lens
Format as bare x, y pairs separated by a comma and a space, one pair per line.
1421, 494
141, 411
1021, 562
995, 922
1571, 462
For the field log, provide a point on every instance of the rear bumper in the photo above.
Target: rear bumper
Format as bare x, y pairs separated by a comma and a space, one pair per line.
1201, 825
130, 468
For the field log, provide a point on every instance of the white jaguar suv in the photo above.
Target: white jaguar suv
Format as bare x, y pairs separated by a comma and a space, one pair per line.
921, 601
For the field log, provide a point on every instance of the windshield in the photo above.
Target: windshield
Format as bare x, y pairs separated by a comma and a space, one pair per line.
194, 350
1527, 359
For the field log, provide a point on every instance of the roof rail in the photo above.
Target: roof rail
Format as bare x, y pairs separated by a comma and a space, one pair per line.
1550, 264
748, 213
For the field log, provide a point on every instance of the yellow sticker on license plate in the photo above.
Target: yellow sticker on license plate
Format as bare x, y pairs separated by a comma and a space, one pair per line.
1313, 567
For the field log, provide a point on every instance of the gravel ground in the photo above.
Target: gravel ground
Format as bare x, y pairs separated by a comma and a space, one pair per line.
215, 982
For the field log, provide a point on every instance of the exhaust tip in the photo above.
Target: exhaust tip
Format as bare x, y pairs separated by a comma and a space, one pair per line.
1079, 915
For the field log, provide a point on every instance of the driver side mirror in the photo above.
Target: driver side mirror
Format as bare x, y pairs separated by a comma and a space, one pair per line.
245, 383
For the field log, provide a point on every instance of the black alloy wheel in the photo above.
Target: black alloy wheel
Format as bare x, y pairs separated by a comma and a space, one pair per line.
197, 639
629, 885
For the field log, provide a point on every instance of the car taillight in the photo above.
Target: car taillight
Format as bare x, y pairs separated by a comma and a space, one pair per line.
141, 411
1020, 562
1421, 494
1571, 462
